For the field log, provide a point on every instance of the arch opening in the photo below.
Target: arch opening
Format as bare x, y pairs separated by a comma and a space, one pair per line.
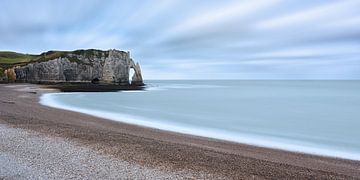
131, 74
95, 81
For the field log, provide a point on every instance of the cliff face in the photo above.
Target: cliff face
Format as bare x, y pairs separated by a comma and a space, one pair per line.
111, 66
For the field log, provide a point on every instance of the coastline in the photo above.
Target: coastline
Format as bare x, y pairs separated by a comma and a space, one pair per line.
91, 87
168, 151
254, 140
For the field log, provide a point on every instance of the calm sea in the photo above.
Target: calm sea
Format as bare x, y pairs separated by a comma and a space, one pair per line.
317, 117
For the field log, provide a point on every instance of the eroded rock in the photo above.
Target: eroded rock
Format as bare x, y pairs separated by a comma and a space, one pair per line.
111, 66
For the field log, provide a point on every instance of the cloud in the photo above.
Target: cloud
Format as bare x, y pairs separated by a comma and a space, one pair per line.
317, 15
181, 39
217, 15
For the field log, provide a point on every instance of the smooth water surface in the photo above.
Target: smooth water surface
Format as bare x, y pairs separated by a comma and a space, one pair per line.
318, 117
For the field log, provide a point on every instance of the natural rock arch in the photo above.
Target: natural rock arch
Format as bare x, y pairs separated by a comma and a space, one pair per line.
96, 66
136, 79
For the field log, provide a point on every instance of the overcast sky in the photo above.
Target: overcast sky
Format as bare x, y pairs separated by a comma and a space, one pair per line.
197, 39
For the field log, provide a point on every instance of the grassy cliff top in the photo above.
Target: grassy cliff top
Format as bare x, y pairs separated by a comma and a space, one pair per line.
7, 57
10, 59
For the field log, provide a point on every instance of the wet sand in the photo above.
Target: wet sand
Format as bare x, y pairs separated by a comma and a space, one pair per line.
36, 137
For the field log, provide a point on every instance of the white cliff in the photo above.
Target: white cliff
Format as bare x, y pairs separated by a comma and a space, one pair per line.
111, 66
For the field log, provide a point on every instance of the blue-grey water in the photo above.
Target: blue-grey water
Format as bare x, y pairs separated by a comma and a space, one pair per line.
317, 117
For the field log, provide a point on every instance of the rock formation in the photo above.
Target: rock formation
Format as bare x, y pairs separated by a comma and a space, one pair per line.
10, 74
137, 77
111, 66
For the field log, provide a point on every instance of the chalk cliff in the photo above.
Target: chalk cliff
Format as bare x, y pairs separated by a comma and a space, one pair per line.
112, 66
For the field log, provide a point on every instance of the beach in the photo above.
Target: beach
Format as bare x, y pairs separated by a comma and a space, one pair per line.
39, 141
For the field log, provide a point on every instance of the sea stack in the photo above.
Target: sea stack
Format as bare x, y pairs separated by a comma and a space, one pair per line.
110, 67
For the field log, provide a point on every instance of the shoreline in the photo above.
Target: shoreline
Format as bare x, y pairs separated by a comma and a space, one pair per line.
83, 86
165, 150
247, 139
91, 87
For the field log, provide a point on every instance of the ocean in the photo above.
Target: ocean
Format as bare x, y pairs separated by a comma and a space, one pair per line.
315, 117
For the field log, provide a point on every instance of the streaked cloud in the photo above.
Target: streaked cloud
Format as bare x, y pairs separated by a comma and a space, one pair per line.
180, 39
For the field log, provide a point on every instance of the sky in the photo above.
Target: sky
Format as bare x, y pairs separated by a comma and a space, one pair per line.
197, 39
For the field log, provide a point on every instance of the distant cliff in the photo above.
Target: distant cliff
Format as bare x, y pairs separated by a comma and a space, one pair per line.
112, 66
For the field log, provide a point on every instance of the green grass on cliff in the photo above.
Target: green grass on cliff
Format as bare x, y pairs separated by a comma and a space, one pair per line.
13, 58
9, 59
